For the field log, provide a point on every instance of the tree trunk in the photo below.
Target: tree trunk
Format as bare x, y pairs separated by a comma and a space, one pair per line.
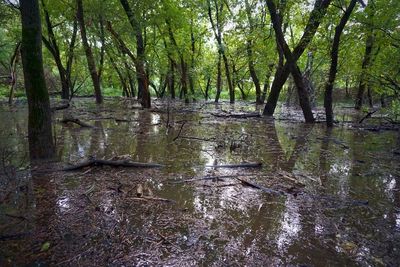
217, 29
267, 82
364, 79
298, 78
219, 79
282, 74
13, 72
228, 79
250, 60
334, 62
89, 54
39, 123
364, 69
253, 73
143, 85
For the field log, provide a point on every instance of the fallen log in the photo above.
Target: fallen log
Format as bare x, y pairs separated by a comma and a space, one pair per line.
60, 107
144, 198
237, 115
210, 178
262, 188
76, 121
241, 165
113, 163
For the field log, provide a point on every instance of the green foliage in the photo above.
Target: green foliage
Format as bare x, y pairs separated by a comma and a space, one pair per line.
194, 43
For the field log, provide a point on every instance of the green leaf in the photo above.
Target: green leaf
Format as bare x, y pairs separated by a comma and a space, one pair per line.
45, 246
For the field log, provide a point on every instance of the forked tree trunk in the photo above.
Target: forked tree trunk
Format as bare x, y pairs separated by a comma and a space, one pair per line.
282, 74
296, 73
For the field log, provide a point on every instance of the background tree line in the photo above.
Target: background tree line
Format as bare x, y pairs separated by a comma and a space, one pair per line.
302, 52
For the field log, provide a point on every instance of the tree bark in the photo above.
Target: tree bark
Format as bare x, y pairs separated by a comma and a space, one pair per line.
89, 54
334, 62
39, 122
282, 74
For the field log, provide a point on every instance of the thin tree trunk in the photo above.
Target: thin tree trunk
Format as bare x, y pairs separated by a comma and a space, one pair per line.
364, 69
13, 72
334, 62
39, 122
219, 79
217, 29
250, 56
267, 82
143, 85
89, 54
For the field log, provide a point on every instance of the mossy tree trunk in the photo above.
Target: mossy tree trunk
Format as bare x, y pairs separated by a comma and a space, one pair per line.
39, 123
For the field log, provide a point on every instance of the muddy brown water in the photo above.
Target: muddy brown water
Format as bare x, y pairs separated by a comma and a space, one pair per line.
340, 204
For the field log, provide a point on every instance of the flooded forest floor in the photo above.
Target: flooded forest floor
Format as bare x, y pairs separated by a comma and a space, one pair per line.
320, 197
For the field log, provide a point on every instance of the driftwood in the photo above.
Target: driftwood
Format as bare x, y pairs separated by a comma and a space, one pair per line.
113, 163
76, 121
262, 188
241, 165
369, 115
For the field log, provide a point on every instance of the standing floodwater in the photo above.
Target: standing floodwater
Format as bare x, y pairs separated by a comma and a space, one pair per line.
334, 195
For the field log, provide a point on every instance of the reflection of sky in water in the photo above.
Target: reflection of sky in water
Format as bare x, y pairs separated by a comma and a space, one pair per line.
290, 227
63, 204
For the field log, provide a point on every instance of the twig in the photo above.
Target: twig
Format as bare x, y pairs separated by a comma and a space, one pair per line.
180, 130
369, 114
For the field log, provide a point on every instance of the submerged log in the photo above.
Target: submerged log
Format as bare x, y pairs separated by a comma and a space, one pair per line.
113, 163
260, 187
61, 107
76, 121
237, 115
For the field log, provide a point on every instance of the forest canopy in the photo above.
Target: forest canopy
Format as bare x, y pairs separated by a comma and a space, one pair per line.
213, 49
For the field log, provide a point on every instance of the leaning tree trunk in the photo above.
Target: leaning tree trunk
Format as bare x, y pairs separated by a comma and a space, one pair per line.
296, 73
282, 74
39, 123
334, 61
89, 54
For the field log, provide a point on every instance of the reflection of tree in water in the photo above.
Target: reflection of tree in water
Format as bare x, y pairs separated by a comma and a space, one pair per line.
257, 223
